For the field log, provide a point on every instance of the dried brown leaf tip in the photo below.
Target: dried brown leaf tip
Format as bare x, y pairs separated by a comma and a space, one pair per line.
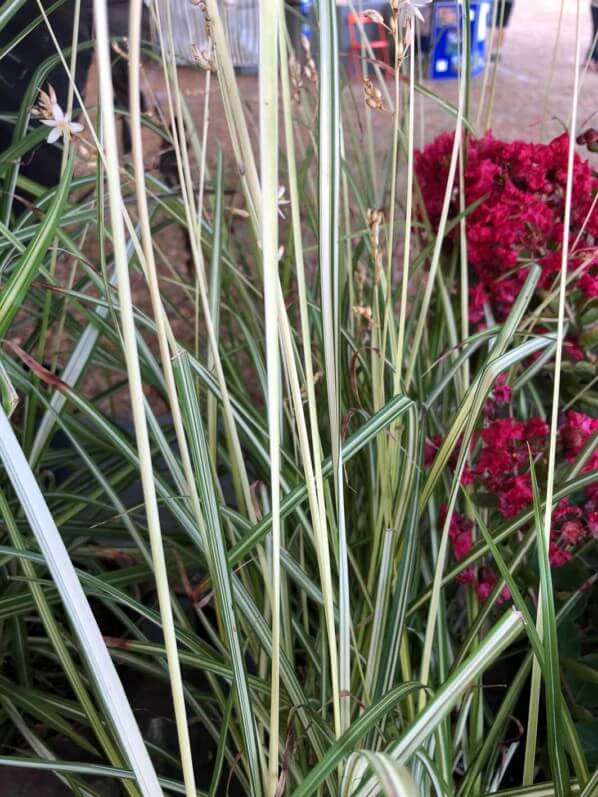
36, 368
373, 96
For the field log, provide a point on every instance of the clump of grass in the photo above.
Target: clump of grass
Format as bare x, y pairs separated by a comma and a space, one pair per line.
285, 572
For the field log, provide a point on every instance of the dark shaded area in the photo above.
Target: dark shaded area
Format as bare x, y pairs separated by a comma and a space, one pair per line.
149, 696
20, 64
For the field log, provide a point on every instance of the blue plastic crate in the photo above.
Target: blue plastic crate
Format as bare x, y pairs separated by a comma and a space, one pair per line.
446, 36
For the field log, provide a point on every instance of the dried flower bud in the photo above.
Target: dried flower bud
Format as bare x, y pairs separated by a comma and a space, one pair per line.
282, 200
310, 71
375, 220
375, 217
201, 4
294, 68
403, 47
373, 16
360, 280
45, 104
360, 275
240, 212
296, 77
373, 96
365, 313
202, 59
119, 51
590, 139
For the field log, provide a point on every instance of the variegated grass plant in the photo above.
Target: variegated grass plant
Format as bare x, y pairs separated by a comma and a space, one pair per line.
299, 568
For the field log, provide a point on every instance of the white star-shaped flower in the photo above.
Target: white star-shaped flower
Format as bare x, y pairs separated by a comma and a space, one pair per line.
61, 124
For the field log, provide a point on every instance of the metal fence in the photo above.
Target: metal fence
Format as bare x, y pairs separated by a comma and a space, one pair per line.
240, 21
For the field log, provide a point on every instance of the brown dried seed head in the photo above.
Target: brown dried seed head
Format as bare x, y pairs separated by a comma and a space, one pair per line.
310, 71
295, 74
375, 217
373, 97
294, 68
201, 4
375, 220
44, 103
202, 59
360, 276
364, 312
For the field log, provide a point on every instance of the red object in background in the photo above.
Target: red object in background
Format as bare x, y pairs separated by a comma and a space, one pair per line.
520, 187
379, 45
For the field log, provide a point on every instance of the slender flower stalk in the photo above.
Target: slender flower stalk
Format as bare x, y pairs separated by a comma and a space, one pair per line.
136, 387
268, 76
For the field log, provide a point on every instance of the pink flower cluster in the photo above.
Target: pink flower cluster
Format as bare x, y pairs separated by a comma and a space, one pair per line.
520, 187
500, 468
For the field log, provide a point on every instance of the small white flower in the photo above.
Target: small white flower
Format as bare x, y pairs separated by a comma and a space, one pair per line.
61, 124
408, 9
